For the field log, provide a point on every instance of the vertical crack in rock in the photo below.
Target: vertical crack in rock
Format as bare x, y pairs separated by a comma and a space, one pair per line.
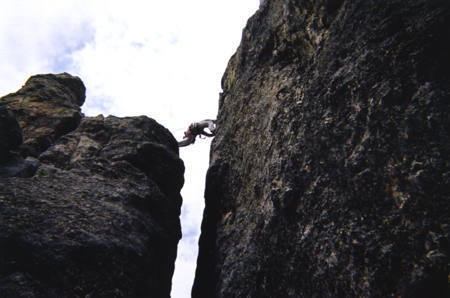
329, 171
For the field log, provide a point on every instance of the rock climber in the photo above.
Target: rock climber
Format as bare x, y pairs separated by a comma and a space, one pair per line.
198, 129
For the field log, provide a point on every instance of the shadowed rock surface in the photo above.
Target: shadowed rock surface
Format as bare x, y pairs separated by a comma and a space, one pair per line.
10, 133
329, 171
99, 215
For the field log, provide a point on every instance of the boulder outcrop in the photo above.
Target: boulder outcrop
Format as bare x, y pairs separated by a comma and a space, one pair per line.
47, 107
98, 215
329, 171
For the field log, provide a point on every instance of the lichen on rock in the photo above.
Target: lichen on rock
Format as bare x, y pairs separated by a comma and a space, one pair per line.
329, 171
47, 107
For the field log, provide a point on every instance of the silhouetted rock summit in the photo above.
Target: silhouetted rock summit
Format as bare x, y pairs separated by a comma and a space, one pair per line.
89, 206
329, 171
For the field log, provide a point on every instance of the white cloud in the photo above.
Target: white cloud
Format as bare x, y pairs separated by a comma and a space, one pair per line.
164, 59
37, 37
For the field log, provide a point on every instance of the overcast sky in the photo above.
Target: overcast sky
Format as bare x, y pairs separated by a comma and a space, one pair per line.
163, 59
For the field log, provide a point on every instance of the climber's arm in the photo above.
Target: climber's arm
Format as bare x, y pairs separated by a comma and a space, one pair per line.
186, 142
207, 134
209, 124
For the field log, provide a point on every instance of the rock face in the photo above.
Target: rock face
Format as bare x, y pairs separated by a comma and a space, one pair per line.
47, 107
10, 133
329, 172
99, 215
